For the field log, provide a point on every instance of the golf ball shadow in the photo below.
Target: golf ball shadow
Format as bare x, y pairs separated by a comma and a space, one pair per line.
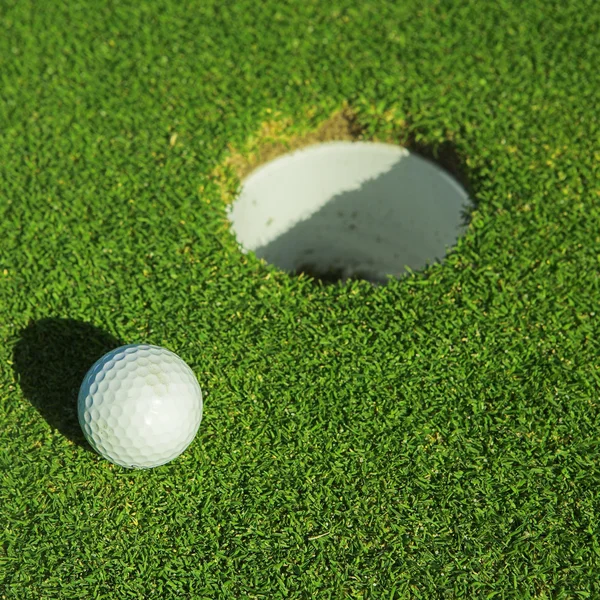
51, 359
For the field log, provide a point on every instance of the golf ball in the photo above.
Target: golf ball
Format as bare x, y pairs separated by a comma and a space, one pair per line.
140, 406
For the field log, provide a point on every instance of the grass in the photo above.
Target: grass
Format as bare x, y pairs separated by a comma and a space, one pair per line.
433, 438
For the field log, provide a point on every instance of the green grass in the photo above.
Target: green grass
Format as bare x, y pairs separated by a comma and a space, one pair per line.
433, 438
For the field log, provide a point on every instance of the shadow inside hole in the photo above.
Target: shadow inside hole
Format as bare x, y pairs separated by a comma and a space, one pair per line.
51, 359
379, 229
446, 156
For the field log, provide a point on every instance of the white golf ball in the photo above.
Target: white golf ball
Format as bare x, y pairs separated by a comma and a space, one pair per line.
140, 406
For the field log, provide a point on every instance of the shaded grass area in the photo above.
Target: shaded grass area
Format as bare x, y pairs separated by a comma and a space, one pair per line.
434, 437
51, 359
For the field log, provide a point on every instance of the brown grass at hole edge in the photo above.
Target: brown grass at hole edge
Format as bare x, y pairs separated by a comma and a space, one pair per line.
276, 138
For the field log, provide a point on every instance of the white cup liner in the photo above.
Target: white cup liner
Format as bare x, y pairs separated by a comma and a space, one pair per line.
363, 209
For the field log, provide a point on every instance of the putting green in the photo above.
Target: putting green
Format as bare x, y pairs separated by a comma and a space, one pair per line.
433, 437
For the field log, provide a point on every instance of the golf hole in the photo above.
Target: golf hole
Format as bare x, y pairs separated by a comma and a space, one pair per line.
344, 210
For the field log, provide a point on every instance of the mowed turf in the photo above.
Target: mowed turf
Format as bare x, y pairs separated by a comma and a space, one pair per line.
437, 437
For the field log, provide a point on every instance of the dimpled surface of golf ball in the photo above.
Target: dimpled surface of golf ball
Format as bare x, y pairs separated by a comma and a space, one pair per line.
140, 406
